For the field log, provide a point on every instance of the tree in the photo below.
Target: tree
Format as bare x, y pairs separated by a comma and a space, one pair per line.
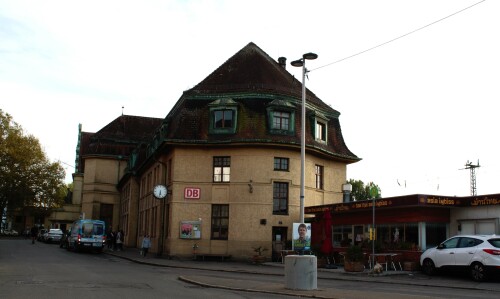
360, 191
27, 177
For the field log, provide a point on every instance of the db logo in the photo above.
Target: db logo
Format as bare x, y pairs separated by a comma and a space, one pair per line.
192, 193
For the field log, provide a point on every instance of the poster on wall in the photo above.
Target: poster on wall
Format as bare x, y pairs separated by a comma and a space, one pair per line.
190, 230
301, 236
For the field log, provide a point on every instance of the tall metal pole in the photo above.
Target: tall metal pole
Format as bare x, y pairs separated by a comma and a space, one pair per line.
372, 260
303, 143
374, 193
300, 271
302, 62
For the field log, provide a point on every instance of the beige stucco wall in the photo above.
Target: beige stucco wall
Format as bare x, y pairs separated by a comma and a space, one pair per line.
66, 214
77, 189
248, 204
129, 213
99, 186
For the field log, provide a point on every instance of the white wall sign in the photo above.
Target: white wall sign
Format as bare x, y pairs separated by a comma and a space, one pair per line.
192, 193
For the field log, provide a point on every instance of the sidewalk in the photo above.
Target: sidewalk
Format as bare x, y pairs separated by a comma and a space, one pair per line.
277, 269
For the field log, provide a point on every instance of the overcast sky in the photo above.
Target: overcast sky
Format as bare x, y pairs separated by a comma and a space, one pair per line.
416, 82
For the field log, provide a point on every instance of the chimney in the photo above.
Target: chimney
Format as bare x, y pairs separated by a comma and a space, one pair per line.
282, 62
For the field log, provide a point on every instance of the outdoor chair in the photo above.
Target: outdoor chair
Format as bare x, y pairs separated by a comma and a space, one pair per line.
396, 260
382, 260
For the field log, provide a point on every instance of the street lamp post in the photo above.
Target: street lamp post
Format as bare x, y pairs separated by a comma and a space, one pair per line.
302, 63
301, 270
374, 193
372, 260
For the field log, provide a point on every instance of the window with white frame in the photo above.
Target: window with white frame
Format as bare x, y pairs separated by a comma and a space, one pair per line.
222, 169
320, 131
318, 171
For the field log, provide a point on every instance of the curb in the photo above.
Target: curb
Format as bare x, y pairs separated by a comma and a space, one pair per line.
365, 277
281, 292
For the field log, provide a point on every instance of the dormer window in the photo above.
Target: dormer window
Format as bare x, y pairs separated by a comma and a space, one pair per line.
281, 117
320, 131
320, 127
223, 116
281, 120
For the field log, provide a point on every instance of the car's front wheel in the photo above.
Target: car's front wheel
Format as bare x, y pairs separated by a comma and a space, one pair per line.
428, 267
478, 272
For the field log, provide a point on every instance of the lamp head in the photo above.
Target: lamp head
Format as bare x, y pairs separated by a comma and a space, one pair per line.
310, 56
297, 63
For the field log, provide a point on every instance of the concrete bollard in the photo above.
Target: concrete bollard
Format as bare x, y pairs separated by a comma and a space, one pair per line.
301, 272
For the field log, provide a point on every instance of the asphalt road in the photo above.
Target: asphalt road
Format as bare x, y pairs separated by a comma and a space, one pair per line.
46, 271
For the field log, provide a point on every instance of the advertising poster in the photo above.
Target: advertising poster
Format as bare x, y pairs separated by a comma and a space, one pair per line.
301, 236
190, 230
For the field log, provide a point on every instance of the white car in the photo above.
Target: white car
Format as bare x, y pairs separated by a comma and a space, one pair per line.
10, 233
478, 254
53, 235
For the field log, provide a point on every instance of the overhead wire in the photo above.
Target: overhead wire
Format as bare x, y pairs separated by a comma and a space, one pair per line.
399, 37
66, 163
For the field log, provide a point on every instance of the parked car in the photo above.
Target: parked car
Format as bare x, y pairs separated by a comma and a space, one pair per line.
53, 235
477, 254
10, 232
87, 234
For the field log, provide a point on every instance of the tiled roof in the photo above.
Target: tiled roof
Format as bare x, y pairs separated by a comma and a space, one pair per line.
129, 128
252, 70
120, 136
253, 80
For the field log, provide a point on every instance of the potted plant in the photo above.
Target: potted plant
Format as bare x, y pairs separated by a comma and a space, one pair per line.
354, 259
320, 256
258, 258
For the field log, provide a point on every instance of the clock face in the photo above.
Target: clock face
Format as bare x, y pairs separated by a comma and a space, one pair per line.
160, 191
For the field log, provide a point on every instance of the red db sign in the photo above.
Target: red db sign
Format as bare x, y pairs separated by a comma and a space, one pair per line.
191, 193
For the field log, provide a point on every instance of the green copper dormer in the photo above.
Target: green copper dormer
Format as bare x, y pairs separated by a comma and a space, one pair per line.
281, 117
319, 124
223, 116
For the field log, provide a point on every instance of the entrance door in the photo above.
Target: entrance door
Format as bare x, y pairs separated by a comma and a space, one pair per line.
279, 242
106, 215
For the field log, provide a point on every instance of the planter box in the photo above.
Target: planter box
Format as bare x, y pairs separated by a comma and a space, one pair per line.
354, 266
258, 259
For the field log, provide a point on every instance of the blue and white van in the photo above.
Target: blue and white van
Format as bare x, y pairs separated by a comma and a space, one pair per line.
87, 234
